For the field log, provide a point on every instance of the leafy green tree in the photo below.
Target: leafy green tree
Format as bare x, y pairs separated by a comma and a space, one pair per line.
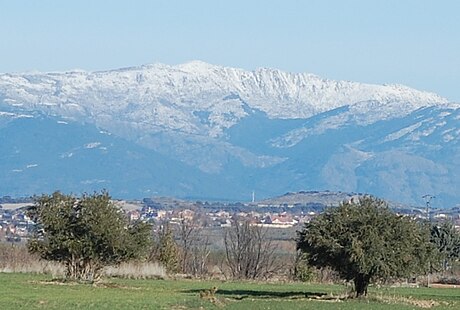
302, 271
447, 241
364, 241
165, 249
85, 233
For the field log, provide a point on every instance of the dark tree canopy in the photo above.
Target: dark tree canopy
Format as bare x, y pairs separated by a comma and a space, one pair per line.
85, 233
364, 240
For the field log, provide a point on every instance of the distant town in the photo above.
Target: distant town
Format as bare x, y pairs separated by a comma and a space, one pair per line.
288, 211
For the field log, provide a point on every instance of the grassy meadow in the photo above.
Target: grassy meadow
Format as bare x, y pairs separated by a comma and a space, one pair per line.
32, 291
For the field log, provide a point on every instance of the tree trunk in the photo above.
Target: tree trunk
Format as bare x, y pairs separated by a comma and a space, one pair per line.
85, 270
361, 283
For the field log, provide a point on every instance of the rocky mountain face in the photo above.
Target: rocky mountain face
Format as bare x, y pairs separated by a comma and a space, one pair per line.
204, 131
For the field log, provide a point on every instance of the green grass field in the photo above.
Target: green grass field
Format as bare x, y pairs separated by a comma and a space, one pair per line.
29, 291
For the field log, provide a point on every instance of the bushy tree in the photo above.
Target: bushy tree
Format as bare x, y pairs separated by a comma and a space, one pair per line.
364, 240
301, 270
85, 233
165, 249
447, 241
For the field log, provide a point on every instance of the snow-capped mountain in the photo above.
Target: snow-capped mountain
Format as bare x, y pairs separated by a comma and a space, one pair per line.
194, 98
266, 130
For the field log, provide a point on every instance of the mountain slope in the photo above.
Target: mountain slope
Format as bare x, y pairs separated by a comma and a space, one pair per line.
42, 154
223, 132
401, 159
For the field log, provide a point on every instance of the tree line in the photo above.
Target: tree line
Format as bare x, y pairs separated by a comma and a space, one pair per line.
362, 241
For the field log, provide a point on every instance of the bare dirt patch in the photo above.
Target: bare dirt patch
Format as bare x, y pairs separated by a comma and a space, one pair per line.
54, 282
425, 304
441, 285
98, 284
115, 285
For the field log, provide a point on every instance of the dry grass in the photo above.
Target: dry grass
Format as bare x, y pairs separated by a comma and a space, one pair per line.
136, 270
16, 259
38, 266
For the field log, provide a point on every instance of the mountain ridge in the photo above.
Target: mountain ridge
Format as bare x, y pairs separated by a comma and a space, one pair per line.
264, 130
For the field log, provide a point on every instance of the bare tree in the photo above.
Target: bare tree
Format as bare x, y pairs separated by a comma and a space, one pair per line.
200, 256
187, 238
194, 246
250, 254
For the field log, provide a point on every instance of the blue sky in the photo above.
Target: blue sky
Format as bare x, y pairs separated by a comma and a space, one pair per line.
411, 42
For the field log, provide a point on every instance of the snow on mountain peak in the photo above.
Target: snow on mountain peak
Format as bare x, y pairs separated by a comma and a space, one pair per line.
195, 66
198, 128
162, 97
